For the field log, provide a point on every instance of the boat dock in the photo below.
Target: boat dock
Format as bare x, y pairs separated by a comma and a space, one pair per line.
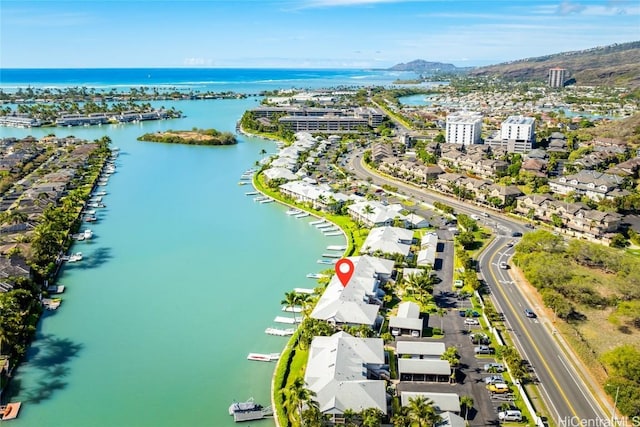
287, 320
294, 309
263, 357
302, 215
333, 233
324, 225
249, 411
280, 332
251, 193
319, 221
337, 248
10, 411
332, 255
304, 291
267, 200
327, 261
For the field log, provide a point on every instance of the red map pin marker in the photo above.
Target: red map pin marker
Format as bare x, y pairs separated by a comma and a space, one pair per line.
344, 270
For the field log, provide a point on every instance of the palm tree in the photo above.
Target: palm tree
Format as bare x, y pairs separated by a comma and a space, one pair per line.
441, 312
422, 411
296, 396
371, 417
401, 418
467, 403
291, 300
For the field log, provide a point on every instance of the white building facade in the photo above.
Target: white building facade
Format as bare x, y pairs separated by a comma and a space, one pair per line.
464, 128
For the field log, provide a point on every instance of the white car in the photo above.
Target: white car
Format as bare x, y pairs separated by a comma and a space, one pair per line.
504, 265
470, 321
510, 415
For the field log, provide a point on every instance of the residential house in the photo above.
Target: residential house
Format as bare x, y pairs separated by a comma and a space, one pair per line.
407, 321
388, 240
344, 374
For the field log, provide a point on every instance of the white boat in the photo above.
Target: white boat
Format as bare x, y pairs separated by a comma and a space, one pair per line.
260, 198
327, 261
317, 222
266, 201
304, 291
280, 332
87, 234
315, 276
261, 357
293, 212
249, 405
293, 309
251, 193
333, 233
55, 289
75, 257
100, 193
94, 199
330, 230
287, 320
326, 225
90, 212
337, 247
242, 183
302, 215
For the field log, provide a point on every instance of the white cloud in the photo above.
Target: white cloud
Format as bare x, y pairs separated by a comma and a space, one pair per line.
568, 8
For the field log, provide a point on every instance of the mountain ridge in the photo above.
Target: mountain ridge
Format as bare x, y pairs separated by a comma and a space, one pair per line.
612, 65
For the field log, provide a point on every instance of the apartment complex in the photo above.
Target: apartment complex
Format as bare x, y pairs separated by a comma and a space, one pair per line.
464, 128
516, 135
557, 77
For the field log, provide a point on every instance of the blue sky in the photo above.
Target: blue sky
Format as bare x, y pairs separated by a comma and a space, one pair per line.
303, 33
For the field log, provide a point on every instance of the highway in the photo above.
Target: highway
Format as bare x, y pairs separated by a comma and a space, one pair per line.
564, 391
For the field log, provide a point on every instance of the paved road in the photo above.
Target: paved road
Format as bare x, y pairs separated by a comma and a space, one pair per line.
562, 388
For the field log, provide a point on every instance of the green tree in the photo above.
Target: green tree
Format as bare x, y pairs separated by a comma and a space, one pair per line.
296, 396
422, 412
467, 403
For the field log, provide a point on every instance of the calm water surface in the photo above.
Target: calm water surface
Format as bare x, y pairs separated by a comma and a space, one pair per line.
182, 277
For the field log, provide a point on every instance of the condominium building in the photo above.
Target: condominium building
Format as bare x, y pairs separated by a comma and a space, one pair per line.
464, 127
557, 77
516, 135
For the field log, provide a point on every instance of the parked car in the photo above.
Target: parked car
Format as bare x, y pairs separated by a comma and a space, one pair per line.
510, 415
494, 379
483, 349
479, 338
499, 388
471, 321
494, 367
529, 313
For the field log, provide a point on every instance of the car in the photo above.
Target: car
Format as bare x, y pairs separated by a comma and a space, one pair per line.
475, 217
516, 234
529, 313
494, 367
415, 334
510, 415
494, 379
499, 388
504, 265
483, 349
479, 338
510, 244
470, 321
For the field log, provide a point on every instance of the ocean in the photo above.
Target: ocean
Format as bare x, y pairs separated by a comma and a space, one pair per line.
184, 272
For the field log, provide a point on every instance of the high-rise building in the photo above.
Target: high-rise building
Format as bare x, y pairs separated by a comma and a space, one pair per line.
464, 127
517, 135
557, 77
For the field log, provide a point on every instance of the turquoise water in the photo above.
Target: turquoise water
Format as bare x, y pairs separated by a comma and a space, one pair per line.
182, 277
415, 100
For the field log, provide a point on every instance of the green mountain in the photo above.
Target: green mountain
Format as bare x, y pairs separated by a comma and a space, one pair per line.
614, 65
422, 66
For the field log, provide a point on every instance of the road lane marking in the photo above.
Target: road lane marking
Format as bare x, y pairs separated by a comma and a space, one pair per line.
535, 348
